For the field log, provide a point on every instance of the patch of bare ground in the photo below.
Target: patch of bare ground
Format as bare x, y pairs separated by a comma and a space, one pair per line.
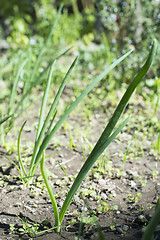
122, 196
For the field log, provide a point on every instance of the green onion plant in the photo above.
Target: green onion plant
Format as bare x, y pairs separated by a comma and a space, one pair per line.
47, 128
28, 73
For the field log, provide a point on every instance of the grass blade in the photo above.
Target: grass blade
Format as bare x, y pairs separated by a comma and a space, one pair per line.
53, 200
86, 167
19, 170
58, 95
50, 113
18, 149
108, 55
51, 124
43, 48
105, 138
62, 168
54, 24
5, 118
44, 101
28, 68
14, 88
37, 80
122, 104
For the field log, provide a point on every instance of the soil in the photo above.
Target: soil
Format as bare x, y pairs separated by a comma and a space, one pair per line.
122, 196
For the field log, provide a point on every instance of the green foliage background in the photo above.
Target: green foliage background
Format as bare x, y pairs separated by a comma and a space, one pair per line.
115, 26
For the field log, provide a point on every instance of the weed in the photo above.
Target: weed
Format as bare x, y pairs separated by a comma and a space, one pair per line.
28, 228
12, 227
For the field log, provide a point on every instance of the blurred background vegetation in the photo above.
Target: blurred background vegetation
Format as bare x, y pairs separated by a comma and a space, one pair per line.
101, 30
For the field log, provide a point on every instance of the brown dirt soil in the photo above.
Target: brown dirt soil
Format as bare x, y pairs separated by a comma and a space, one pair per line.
122, 196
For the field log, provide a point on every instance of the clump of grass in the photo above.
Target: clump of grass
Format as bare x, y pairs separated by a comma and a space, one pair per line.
46, 130
28, 73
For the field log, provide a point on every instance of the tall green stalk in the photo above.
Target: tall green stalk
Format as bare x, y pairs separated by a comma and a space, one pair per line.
31, 80
41, 132
49, 188
44, 47
85, 169
47, 138
105, 139
44, 101
14, 88
107, 136
38, 80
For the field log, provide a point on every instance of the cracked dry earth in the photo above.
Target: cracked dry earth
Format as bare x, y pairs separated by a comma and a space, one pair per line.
122, 197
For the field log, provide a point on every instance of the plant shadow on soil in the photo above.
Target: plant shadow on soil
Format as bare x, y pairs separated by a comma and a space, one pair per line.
122, 196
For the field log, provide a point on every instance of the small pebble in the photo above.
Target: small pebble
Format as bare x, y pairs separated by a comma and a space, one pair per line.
125, 228
18, 204
103, 196
60, 204
113, 193
132, 173
57, 182
133, 184
119, 230
30, 202
4, 220
94, 236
